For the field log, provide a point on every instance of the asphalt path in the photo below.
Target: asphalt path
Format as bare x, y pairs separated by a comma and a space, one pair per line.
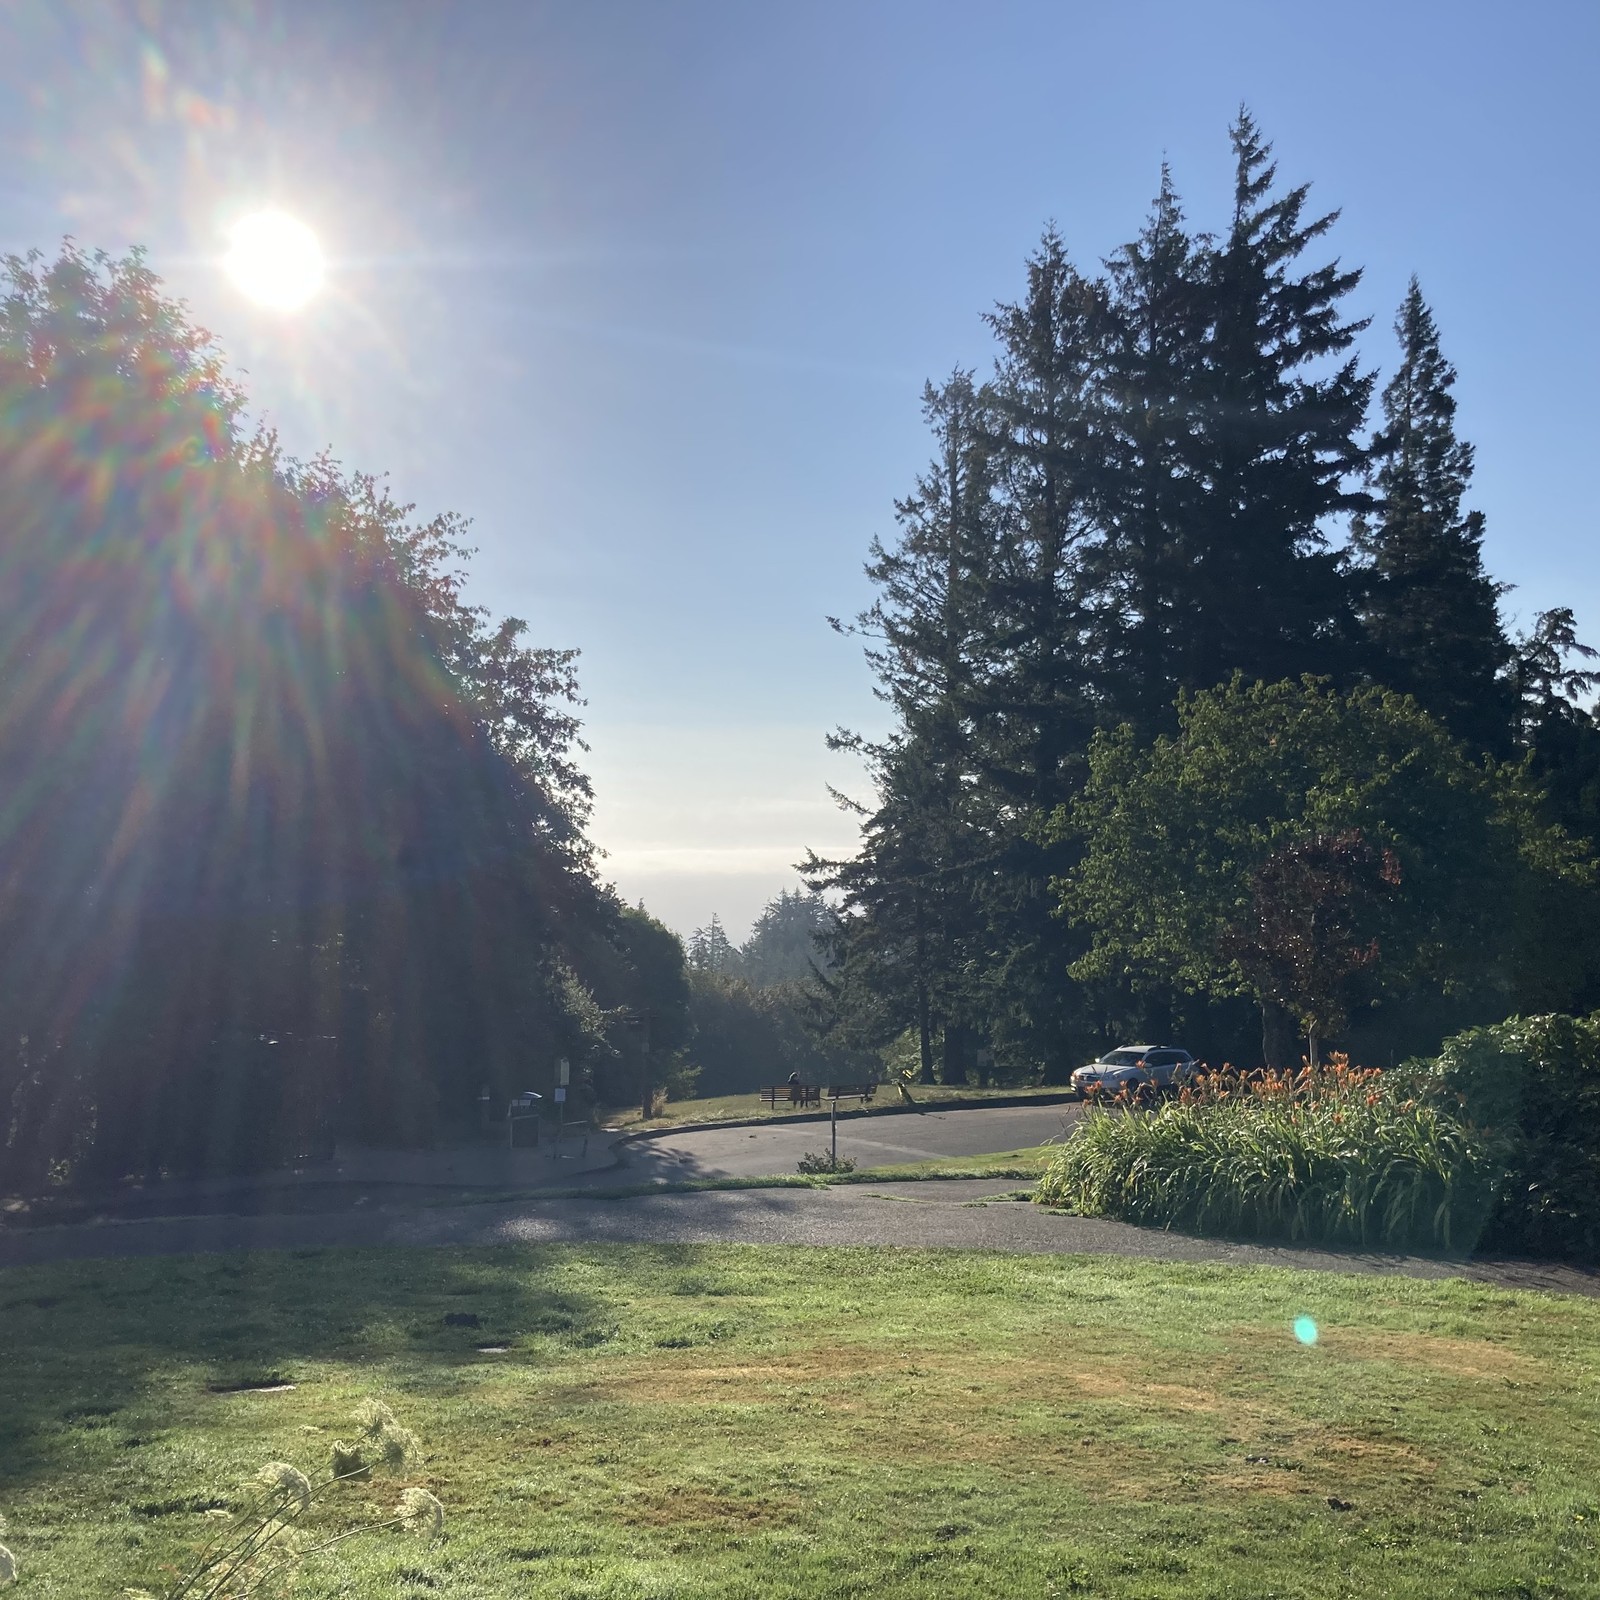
876, 1140
969, 1214
951, 1214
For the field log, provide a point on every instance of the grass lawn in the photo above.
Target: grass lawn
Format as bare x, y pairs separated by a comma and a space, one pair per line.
1028, 1163
766, 1421
751, 1107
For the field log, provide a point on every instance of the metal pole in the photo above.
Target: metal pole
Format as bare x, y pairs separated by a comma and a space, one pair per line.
833, 1107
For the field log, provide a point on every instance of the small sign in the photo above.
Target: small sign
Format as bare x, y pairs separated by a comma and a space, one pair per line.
563, 1072
561, 1094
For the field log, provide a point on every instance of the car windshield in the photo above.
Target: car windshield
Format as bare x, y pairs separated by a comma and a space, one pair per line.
1122, 1058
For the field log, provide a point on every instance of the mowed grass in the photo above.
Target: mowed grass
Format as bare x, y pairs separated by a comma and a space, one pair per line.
765, 1421
1031, 1162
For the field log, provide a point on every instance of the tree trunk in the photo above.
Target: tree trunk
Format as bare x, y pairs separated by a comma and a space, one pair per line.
956, 1039
647, 1079
1280, 1037
924, 1034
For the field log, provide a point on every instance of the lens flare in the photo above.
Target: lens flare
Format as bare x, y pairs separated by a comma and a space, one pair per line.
275, 259
1305, 1330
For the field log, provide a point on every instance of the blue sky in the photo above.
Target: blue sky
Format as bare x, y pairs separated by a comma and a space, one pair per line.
649, 291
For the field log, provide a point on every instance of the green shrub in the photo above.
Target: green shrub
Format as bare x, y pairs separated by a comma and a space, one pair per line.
1534, 1083
1334, 1156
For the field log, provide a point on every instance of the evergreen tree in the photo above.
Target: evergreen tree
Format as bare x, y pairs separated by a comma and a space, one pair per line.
710, 948
1431, 612
934, 582
899, 946
1550, 688
783, 946
907, 900
1153, 488
1141, 501
1042, 686
1282, 435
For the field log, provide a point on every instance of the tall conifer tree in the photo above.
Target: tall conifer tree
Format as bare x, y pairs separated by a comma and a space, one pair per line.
1150, 492
1283, 433
908, 901
1044, 692
1431, 611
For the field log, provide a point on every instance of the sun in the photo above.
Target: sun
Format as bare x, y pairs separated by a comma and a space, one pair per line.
275, 259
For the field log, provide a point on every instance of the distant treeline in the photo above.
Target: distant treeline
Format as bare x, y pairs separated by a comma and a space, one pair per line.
761, 1010
1178, 475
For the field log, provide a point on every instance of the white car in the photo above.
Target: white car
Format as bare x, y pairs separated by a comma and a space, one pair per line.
1133, 1066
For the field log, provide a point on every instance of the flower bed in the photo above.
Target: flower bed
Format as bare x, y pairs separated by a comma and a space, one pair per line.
1335, 1155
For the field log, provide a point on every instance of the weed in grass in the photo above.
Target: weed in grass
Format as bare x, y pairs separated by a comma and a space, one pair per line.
816, 1163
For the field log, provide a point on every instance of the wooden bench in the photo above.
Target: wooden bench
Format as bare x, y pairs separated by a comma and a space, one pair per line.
851, 1091
791, 1094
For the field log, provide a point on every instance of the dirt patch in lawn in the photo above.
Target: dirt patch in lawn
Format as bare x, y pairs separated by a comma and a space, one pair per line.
1462, 1358
680, 1504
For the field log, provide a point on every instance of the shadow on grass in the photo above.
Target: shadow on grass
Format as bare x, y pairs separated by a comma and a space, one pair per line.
110, 1353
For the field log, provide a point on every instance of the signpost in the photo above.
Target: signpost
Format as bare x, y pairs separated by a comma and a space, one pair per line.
835, 1092
563, 1083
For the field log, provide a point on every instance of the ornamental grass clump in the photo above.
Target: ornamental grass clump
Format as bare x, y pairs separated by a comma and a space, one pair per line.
277, 1528
1333, 1155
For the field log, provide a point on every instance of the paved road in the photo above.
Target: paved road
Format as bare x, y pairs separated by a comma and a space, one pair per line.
956, 1214
356, 1176
875, 1141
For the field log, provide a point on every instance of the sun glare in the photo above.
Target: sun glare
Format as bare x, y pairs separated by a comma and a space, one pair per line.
275, 260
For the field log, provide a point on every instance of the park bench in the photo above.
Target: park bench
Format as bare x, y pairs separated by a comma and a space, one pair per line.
791, 1094
851, 1091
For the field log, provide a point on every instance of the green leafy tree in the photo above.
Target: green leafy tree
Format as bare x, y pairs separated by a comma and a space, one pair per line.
1308, 929
294, 839
1431, 612
1207, 851
653, 1016
744, 1037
